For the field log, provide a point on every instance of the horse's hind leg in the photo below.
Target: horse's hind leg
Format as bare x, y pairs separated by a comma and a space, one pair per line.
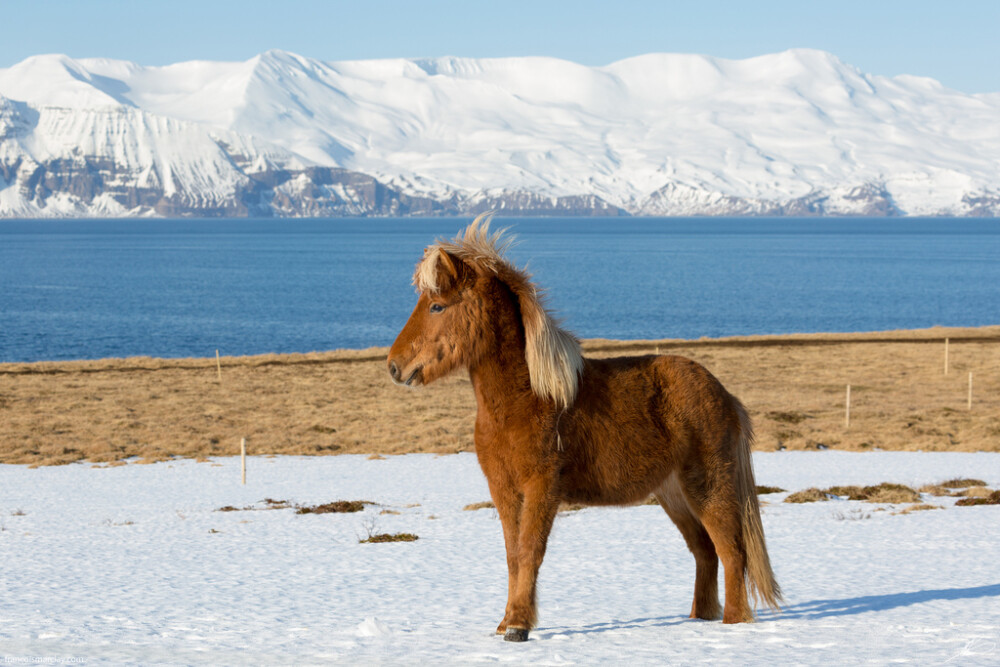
721, 517
706, 583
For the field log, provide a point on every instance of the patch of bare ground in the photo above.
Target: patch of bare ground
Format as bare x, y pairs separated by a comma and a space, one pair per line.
482, 505
886, 492
810, 495
962, 483
389, 537
992, 499
342, 402
919, 507
335, 507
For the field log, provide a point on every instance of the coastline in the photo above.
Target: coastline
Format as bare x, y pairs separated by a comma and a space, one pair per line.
145, 409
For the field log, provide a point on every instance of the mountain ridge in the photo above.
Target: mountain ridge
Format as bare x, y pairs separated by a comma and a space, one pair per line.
794, 133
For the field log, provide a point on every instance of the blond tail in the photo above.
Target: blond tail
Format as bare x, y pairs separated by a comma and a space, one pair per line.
760, 580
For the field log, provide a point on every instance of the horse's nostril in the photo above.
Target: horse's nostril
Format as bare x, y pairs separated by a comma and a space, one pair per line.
393, 370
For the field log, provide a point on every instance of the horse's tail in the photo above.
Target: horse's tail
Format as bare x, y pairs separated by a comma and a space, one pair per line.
762, 585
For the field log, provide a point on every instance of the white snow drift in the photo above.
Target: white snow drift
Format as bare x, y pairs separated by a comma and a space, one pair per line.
135, 565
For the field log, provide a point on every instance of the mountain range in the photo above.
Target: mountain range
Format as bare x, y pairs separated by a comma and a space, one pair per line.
792, 133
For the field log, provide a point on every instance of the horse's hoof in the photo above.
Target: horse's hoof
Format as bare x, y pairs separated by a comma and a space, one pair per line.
515, 635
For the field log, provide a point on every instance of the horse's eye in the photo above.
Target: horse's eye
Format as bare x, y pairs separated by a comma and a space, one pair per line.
436, 307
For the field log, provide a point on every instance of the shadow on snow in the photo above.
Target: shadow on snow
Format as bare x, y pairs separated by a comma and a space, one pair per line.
806, 610
860, 605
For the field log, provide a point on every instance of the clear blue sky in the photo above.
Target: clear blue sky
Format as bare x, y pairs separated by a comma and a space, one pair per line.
954, 41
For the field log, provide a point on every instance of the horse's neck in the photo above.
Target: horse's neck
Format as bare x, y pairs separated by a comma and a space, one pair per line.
500, 377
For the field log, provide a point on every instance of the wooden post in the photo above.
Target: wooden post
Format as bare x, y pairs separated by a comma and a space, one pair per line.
945, 356
218, 366
970, 390
243, 460
847, 409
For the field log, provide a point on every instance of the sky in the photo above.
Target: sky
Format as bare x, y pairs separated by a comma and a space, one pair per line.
954, 42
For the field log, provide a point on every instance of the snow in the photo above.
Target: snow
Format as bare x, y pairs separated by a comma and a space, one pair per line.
771, 128
133, 564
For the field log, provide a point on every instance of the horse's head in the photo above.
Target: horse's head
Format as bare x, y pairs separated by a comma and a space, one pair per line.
439, 335
473, 301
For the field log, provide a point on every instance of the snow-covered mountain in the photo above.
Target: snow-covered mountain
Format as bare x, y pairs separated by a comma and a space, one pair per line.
793, 133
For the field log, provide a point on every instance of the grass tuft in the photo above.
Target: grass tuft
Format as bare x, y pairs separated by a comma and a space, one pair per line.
887, 492
385, 537
918, 508
974, 492
484, 505
763, 490
992, 499
962, 482
810, 495
336, 507
850, 492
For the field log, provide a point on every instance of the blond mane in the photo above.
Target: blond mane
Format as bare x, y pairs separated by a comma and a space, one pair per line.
554, 358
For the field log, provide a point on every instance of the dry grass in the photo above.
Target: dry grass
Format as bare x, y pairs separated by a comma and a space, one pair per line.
810, 495
992, 499
385, 537
886, 492
340, 402
962, 483
483, 505
336, 507
974, 492
889, 493
919, 507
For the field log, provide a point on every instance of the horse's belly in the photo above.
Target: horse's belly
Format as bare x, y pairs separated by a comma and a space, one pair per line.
606, 476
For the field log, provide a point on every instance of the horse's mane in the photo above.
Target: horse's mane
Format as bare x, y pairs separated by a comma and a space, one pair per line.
554, 358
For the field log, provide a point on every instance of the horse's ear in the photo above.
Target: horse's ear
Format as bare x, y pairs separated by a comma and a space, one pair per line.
439, 270
448, 269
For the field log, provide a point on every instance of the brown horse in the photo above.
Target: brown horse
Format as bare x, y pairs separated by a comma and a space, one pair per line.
552, 427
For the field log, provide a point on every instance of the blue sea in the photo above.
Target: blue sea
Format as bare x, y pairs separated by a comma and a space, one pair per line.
86, 289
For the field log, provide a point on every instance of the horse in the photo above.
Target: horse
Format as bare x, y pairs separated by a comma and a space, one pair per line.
555, 427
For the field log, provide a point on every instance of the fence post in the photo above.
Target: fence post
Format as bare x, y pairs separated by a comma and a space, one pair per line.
847, 409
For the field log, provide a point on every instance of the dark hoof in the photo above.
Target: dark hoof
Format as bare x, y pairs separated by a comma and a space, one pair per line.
515, 635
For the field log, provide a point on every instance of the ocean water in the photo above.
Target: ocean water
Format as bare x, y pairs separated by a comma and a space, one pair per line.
86, 289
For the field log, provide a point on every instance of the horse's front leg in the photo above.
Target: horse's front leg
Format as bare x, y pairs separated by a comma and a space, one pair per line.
538, 511
508, 502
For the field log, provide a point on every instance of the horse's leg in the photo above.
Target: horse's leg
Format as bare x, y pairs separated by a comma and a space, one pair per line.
538, 511
508, 503
721, 517
706, 582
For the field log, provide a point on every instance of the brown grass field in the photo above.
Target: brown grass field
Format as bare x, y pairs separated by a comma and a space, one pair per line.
342, 402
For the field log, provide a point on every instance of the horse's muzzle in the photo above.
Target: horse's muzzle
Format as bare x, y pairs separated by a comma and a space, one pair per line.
397, 375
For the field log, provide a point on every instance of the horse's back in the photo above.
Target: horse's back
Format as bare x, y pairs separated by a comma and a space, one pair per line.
666, 386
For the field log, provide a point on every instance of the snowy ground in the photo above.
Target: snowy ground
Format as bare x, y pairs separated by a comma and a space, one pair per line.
124, 565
